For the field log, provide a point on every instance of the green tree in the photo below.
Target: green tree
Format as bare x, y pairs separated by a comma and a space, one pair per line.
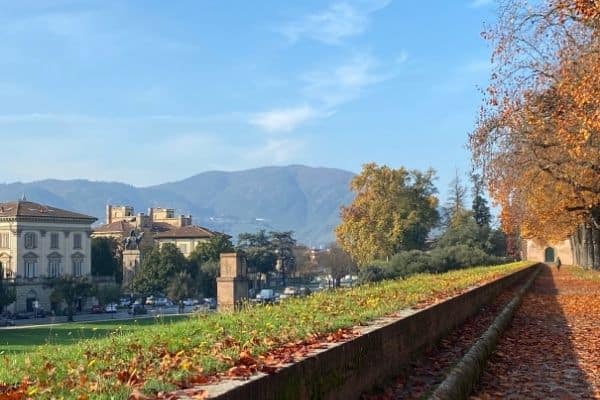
157, 269
181, 287
211, 250
70, 290
481, 210
106, 258
257, 249
8, 294
455, 210
107, 293
393, 210
283, 245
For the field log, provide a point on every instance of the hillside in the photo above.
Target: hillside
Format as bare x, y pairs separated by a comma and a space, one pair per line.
299, 198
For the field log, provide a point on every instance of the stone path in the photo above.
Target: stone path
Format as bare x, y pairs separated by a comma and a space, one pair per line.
429, 370
552, 348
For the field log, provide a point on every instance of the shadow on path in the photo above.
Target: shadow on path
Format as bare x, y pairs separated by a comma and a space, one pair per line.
552, 347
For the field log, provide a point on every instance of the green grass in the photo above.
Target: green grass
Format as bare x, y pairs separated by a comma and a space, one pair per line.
22, 340
585, 273
158, 356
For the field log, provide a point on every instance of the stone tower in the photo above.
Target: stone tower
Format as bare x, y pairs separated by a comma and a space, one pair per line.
232, 285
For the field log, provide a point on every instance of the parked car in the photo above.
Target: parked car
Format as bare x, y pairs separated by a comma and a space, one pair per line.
150, 301
97, 309
125, 301
190, 302
6, 322
162, 302
210, 302
111, 308
266, 296
137, 309
39, 313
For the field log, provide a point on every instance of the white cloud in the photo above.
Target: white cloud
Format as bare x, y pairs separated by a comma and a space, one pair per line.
480, 3
283, 119
339, 21
275, 151
345, 82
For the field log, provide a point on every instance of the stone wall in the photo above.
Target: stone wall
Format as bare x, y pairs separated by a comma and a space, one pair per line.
534, 250
345, 370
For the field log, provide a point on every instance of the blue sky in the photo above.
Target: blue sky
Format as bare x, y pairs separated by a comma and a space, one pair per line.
151, 91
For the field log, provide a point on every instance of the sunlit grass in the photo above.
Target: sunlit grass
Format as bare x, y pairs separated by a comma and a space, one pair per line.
171, 351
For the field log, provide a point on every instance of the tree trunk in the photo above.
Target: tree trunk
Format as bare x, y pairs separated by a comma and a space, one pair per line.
595, 247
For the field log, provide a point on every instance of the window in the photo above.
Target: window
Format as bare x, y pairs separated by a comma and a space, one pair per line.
4, 241
183, 247
30, 266
77, 241
77, 264
54, 240
30, 240
54, 269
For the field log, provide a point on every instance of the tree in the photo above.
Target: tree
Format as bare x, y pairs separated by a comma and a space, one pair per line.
157, 269
393, 210
537, 141
337, 262
206, 261
107, 293
306, 266
8, 294
181, 287
257, 249
455, 205
106, 258
283, 245
481, 211
71, 290
211, 250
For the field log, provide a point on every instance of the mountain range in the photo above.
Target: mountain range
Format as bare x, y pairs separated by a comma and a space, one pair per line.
303, 199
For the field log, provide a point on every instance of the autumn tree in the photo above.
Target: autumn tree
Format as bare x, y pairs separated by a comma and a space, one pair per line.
538, 137
393, 210
337, 262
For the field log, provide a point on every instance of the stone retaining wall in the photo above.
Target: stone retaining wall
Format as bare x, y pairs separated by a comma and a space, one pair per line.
385, 348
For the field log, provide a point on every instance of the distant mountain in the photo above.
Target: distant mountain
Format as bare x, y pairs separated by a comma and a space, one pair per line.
299, 198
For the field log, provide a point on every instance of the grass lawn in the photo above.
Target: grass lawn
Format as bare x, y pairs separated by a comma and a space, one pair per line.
158, 357
21, 340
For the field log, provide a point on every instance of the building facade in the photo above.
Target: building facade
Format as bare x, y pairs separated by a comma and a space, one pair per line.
538, 250
158, 226
39, 242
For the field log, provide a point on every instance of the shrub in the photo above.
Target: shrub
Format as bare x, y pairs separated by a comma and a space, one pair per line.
375, 272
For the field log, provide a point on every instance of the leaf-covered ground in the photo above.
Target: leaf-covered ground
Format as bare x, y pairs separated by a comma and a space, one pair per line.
161, 358
552, 348
431, 368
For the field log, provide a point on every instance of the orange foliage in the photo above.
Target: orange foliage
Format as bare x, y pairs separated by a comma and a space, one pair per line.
538, 138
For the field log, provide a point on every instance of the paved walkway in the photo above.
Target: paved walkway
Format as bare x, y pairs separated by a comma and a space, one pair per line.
552, 348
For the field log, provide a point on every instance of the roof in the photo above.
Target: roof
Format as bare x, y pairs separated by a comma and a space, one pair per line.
29, 209
118, 226
187, 232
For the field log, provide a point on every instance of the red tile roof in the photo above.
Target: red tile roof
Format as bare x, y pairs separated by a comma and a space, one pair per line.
187, 232
22, 208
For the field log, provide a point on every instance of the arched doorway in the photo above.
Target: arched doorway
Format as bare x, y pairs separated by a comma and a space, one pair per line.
549, 254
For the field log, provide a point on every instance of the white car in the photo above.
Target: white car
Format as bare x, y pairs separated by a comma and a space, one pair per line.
111, 308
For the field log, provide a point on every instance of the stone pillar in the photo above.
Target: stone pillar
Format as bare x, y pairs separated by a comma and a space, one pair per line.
131, 262
232, 284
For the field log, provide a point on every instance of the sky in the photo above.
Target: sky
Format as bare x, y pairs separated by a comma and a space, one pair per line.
145, 92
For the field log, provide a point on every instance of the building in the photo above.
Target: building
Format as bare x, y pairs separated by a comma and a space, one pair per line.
158, 226
39, 242
186, 238
538, 250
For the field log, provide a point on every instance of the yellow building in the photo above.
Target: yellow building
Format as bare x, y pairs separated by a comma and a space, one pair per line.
38, 242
